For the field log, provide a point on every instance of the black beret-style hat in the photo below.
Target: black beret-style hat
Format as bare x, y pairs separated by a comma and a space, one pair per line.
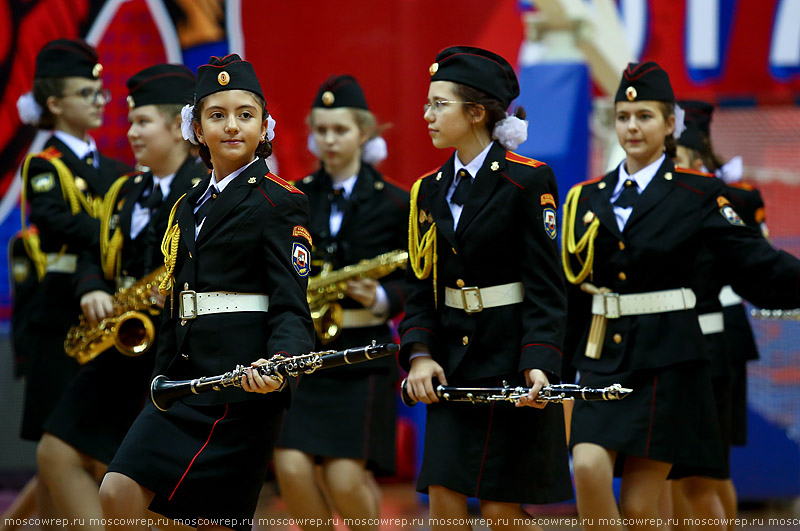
691, 137
340, 91
644, 81
228, 73
479, 69
698, 112
162, 83
67, 58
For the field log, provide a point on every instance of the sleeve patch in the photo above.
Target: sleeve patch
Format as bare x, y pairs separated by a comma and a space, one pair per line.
730, 214
300, 259
299, 230
550, 223
44, 182
547, 199
722, 201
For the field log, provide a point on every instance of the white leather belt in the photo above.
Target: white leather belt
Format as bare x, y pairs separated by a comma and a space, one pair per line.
711, 323
728, 297
194, 304
61, 263
360, 318
473, 300
614, 305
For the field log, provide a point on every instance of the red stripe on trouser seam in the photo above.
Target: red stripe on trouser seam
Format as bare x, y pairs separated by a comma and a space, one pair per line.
652, 415
199, 452
485, 449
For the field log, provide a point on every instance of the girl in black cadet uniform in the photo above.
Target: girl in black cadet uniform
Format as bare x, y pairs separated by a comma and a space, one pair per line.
237, 235
344, 418
484, 223
64, 186
94, 414
631, 239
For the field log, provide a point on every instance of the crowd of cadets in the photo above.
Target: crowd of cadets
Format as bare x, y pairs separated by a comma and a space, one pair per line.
643, 292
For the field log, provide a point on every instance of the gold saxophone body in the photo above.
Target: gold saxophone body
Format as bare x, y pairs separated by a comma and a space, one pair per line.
131, 330
329, 287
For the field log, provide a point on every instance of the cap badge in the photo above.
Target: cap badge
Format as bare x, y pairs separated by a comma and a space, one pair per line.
131, 103
630, 93
495, 166
97, 70
434, 68
224, 78
328, 98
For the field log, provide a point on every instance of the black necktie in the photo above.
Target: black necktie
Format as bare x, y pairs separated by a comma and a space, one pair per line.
205, 208
629, 195
153, 201
338, 199
461, 194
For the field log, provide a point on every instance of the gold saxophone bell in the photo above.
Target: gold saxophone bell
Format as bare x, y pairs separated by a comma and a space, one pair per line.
328, 321
134, 333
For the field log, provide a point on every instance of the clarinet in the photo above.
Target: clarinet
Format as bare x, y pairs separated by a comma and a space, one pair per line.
550, 393
165, 392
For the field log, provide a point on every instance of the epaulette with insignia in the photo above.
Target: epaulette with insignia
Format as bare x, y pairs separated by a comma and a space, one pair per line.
681, 169
589, 181
519, 159
50, 154
283, 184
742, 186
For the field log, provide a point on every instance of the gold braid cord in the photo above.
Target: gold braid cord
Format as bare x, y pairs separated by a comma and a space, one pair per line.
72, 195
169, 248
568, 245
421, 250
110, 247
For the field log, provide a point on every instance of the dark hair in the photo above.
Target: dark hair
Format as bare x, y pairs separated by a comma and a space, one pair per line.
495, 111
263, 150
711, 160
43, 88
670, 145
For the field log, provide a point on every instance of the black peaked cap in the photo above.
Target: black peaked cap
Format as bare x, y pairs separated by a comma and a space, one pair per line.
340, 91
228, 73
644, 81
162, 83
479, 69
67, 58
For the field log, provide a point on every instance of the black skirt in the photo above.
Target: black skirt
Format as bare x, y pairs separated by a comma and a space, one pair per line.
739, 403
670, 416
496, 452
202, 461
350, 414
101, 403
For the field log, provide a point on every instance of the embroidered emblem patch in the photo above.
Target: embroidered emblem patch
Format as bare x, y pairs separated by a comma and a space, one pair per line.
495, 166
547, 199
299, 230
44, 182
300, 259
730, 214
550, 222
722, 201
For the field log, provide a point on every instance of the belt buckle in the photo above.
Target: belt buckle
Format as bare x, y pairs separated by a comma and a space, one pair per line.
474, 297
190, 296
611, 305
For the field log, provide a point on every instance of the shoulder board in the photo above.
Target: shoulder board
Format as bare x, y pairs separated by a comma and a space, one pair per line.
742, 186
690, 171
50, 154
429, 173
132, 174
283, 184
590, 181
519, 159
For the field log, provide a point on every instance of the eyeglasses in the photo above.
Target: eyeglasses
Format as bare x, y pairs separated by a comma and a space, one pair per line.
90, 95
439, 105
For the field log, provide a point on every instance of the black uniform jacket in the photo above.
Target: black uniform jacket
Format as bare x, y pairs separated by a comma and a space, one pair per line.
506, 233
253, 241
374, 222
678, 213
142, 255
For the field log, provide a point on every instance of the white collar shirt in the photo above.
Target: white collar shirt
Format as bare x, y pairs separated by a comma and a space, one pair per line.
141, 215
346, 186
80, 147
642, 178
472, 168
215, 187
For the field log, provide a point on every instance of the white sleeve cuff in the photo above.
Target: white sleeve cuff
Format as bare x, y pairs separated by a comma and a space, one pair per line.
418, 355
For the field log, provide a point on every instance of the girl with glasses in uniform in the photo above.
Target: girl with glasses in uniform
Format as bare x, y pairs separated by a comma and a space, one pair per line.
238, 236
484, 224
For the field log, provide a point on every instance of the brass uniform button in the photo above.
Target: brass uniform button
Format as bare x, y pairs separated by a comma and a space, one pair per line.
185, 356
617, 339
465, 340
621, 245
213, 196
460, 283
622, 275
601, 185
461, 173
454, 250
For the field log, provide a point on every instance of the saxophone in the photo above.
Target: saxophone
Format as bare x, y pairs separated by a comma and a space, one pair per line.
325, 289
131, 330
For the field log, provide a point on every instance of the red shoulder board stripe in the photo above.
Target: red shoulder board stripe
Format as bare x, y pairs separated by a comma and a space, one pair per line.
283, 184
743, 186
519, 159
591, 181
429, 173
694, 172
133, 174
50, 153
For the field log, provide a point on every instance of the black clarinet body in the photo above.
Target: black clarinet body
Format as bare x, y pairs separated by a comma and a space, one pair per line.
549, 393
165, 392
